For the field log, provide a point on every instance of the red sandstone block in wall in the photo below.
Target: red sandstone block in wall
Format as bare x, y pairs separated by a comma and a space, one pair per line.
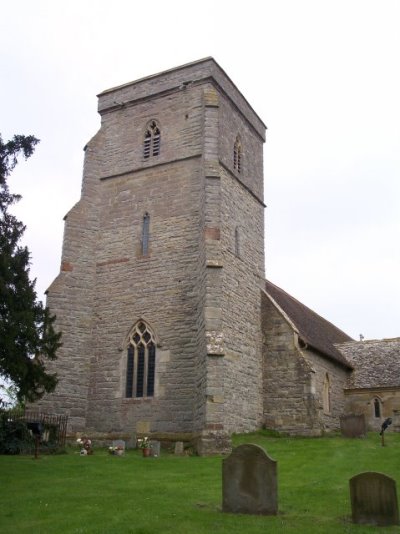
212, 233
66, 266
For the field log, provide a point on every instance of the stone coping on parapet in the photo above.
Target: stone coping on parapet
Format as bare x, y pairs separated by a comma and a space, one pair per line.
179, 79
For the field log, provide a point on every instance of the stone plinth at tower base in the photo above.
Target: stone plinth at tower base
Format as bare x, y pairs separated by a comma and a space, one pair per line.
249, 482
374, 499
211, 442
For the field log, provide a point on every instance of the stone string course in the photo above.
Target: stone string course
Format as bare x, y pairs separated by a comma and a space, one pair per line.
201, 301
226, 359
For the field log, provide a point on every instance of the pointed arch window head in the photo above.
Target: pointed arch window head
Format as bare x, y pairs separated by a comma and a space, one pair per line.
152, 140
237, 155
141, 362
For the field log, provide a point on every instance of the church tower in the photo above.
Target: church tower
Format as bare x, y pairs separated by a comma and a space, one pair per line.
158, 295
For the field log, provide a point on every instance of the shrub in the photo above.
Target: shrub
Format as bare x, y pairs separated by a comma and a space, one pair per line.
14, 435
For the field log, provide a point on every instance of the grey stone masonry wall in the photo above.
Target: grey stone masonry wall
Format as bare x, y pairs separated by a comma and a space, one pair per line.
289, 401
242, 277
338, 377
199, 297
295, 379
180, 78
162, 288
71, 298
232, 307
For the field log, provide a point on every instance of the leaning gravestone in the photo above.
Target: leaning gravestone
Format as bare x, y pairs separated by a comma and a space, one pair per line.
374, 499
249, 482
353, 426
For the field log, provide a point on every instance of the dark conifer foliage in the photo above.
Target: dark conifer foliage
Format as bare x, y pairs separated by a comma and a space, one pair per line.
27, 335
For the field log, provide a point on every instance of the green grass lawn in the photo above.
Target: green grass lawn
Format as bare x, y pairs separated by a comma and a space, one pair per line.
182, 495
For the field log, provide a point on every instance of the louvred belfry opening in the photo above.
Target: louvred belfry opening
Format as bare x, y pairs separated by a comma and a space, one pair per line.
152, 141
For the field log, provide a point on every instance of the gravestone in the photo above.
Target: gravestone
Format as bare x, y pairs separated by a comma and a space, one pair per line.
353, 426
120, 443
132, 441
249, 482
155, 448
179, 450
374, 499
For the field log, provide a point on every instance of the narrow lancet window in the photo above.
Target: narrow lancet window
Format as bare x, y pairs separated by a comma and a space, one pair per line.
326, 395
152, 141
237, 242
141, 362
377, 408
145, 234
237, 155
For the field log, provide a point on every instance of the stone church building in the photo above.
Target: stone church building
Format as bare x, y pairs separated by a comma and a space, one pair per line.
169, 326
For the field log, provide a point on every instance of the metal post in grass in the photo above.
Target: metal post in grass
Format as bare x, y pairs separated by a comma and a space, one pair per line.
386, 423
37, 430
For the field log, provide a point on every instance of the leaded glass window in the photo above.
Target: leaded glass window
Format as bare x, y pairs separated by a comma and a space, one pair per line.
141, 362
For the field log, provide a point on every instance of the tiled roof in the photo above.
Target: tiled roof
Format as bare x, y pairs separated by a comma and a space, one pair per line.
376, 362
313, 329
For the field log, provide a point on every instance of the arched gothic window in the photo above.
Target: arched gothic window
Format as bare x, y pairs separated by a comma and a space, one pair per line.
237, 155
326, 400
141, 362
377, 407
152, 140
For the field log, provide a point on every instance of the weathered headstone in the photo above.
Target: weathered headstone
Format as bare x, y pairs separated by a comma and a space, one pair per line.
249, 482
143, 427
353, 426
179, 450
155, 448
374, 499
131, 441
120, 443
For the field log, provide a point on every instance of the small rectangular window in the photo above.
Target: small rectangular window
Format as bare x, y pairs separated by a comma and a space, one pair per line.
145, 234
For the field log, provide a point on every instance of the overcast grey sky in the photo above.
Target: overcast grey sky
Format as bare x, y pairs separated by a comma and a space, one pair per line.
323, 75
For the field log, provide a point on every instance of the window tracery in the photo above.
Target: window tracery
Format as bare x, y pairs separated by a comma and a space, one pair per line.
141, 362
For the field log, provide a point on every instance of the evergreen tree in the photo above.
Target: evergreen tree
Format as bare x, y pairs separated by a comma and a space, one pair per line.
27, 335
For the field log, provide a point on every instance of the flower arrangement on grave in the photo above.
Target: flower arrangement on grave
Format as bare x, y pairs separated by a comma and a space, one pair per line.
117, 450
144, 443
86, 445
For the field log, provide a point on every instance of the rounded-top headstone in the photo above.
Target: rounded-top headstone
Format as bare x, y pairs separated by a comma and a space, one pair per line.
374, 499
249, 482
